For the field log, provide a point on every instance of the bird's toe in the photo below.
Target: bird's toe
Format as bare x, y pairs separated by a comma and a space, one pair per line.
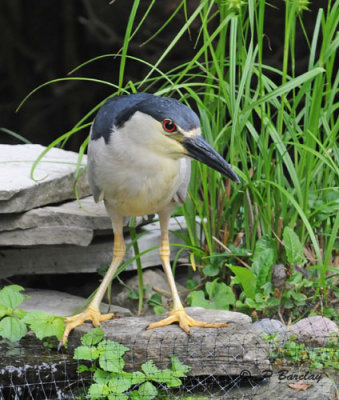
90, 314
185, 322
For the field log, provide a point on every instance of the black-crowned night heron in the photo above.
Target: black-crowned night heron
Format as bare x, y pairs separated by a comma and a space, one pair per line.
138, 164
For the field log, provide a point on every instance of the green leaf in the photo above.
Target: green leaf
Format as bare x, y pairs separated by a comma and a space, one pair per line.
250, 302
116, 348
4, 310
119, 397
259, 298
147, 391
155, 300
135, 395
93, 337
101, 376
11, 297
272, 302
149, 368
246, 278
110, 361
137, 377
191, 283
82, 368
293, 248
86, 353
133, 294
300, 297
158, 309
44, 325
153, 373
96, 391
12, 328
211, 269
119, 384
179, 369
264, 257
197, 299
220, 294
170, 380
19, 313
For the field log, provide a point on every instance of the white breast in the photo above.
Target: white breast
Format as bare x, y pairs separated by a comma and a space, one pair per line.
134, 177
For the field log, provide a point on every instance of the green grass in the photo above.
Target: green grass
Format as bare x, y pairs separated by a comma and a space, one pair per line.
276, 128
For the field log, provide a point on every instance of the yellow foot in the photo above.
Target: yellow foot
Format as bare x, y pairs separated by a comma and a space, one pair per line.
185, 321
90, 314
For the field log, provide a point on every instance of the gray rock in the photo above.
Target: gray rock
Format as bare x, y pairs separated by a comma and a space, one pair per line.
153, 277
278, 275
209, 351
277, 386
314, 330
76, 259
271, 327
87, 214
47, 236
54, 177
62, 304
67, 223
84, 213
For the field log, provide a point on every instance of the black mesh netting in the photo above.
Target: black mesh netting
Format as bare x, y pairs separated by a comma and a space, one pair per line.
234, 363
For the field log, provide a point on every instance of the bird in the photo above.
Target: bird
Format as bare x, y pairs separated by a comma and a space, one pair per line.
139, 163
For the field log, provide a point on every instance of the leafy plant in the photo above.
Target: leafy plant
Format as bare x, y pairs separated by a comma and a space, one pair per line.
299, 353
110, 379
15, 322
258, 291
219, 296
155, 301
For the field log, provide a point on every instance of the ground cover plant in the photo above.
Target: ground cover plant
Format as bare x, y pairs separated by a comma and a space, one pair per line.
15, 322
303, 354
278, 129
111, 381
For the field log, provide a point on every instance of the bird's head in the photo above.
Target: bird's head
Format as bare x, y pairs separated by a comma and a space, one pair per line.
180, 126
168, 127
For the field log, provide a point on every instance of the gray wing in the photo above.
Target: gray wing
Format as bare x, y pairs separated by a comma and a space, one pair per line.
184, 179
95, 148
109, 115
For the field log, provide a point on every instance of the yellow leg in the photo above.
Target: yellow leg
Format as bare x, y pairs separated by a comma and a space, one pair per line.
178, 314
92, 312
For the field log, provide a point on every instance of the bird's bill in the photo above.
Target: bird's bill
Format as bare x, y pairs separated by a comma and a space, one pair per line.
198, 149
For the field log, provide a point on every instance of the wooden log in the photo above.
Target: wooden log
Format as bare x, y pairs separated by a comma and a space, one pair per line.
209, 351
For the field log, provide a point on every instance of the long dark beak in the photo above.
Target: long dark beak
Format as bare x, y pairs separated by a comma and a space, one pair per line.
200, 150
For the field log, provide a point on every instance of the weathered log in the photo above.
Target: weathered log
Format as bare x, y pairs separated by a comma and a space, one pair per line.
208, 351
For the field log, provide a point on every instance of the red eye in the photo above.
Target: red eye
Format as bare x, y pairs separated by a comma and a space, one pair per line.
169, 125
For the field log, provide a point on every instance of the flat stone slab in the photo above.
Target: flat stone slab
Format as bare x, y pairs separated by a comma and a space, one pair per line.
47, 236
209, 351
279, 385
61, 259
62, 304
72, 222
86, 214
54, 174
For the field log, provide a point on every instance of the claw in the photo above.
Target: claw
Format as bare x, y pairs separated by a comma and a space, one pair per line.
90, 314
185, 321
